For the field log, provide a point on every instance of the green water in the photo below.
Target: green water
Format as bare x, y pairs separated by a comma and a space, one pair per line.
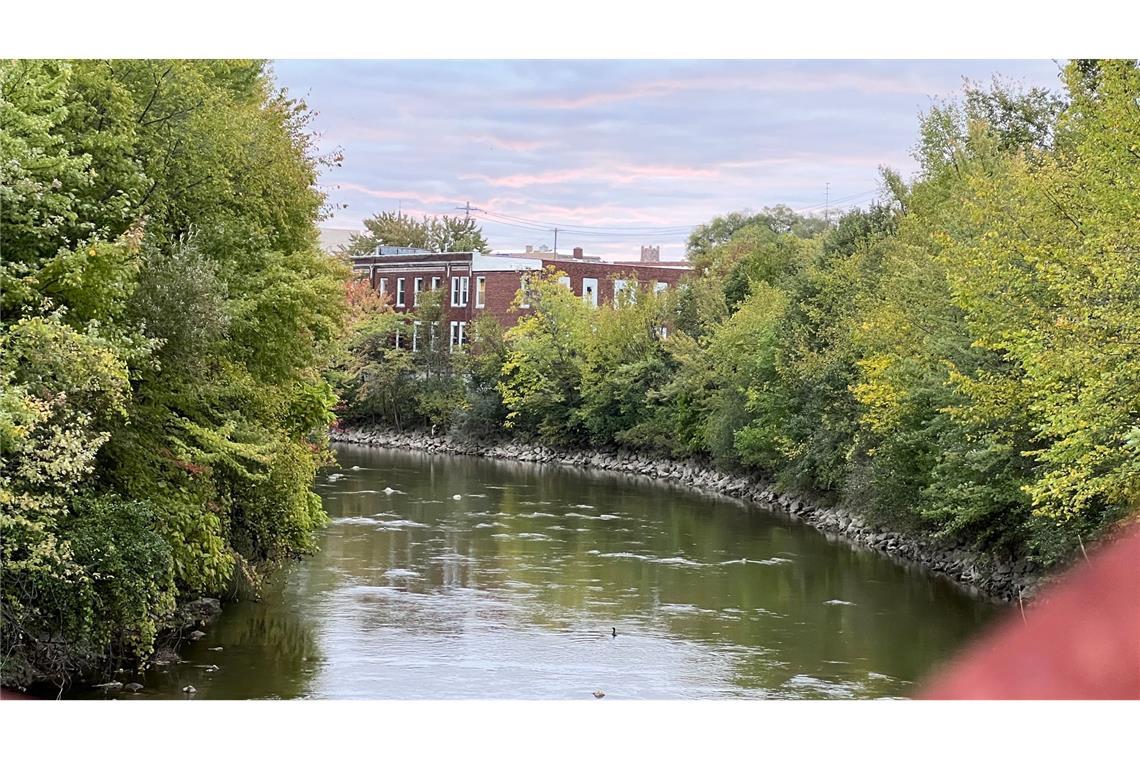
482, 579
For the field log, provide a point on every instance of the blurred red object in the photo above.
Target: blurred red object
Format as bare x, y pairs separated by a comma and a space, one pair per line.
1079, 640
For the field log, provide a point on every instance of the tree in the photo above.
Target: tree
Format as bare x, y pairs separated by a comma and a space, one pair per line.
542, 374
446, 233
165, 322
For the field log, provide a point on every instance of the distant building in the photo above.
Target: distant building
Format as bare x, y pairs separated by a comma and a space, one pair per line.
476, 283
545, 254
332, 238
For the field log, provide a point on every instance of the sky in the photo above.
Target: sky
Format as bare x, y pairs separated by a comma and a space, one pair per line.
619, 154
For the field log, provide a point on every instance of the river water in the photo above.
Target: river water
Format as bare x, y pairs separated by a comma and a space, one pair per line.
459, 577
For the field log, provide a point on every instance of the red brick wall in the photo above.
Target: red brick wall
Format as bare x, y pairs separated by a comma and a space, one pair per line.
605, 274
501, 287
410, 275
501, 290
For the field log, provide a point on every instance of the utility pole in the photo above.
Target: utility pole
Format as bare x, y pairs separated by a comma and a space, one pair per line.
555, 241
467, 208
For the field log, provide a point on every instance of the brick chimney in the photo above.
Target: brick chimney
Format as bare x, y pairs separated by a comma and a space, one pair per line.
577, 253
650, 254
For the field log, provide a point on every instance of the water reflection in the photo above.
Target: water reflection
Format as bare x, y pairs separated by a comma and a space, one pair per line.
444, 577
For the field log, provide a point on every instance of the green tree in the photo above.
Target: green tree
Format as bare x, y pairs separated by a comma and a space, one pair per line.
444, 233
541, 383
166, 320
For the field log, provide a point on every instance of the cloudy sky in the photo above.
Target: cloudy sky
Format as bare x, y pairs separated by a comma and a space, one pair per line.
619, 153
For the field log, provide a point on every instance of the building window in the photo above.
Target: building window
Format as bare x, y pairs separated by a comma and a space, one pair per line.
623, 293
431, 336
564, 281
524, 288
416, 335
383, 285
399, 291
662, 332
590, 290
417, 286
459, 287
457, 334
660, 287
480, 292
435, 283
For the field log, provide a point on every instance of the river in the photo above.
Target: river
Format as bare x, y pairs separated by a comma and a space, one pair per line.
460, 577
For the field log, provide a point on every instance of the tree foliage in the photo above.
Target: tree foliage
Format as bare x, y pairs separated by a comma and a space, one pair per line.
443, 233
166, 319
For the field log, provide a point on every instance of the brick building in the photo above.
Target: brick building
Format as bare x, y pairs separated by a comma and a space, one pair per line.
475, 284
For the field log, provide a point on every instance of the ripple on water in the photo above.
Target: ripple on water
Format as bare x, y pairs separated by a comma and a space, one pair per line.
680, 609
401, 572
681, 561
385, 591
355, 521
453, 557
806, 685
770, 561
402, 524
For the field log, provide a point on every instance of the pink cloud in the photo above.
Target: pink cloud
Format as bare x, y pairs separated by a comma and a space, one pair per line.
398, 195
620, 175
515, 145
784, 81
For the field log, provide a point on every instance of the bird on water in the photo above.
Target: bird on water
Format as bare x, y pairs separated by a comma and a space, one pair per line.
599, 694
614, 632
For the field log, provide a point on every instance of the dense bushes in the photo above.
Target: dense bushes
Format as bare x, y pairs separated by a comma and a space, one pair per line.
166, 318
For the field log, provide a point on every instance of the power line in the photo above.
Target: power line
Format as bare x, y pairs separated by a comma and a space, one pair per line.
594, 227
602, 231
467, 208
596, 232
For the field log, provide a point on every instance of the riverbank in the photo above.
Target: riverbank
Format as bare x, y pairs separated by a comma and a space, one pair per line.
972, 570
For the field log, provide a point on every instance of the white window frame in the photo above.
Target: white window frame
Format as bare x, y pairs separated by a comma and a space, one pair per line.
416, 335
592, 298
417, 286
399, 291
431, 336
524, 301
397, 336
620, 286
565, 280
435, 283
660, 287
480, 292
459, 288
458, 334
383, 285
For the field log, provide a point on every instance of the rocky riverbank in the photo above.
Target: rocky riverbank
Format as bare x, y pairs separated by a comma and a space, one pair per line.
980, 573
